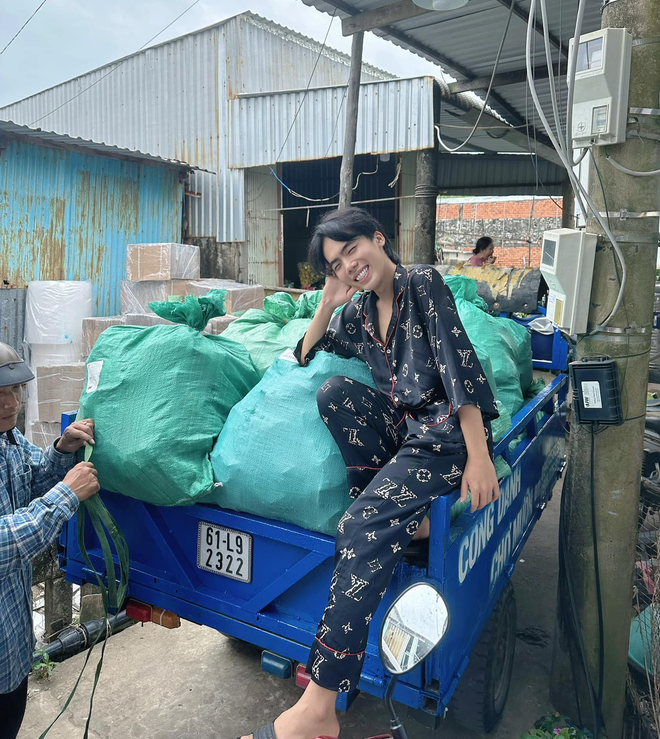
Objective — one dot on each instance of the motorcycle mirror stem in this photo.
(412, 628)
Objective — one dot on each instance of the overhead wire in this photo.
(114, 68)
(20, 30)
(309, 84)
(453, 149)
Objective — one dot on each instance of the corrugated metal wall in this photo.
(263, 227)
(393, 116)
(407, 207)
(171, 100)
(12, 317)
(69, 216)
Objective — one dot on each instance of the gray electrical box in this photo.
(602, 85)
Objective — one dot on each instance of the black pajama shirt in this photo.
(402, 445)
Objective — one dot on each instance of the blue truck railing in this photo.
(470, 560)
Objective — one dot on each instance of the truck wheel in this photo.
(482, 691)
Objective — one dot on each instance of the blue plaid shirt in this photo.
(34, 505)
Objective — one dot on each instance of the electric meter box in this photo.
(567, 265)
(602, 84)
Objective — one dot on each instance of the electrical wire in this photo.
(570, 74)
(18, 33)
(625, 170)
(115, 68)
(577, 185)
(599, 596)
(330, 197)
(309, 84)
(454, 149)
(565, 570)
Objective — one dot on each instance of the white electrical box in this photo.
(567, 265)
(602, 84)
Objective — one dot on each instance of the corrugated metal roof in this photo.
(464, 42)
(69, 214)
(498, 175)
(393, 116)
(170, 100)
(89, 147)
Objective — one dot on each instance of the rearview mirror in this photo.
(412, 628)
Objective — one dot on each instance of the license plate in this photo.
(224, 552)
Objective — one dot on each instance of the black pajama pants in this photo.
(393, 477)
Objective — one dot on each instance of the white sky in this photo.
(70, 37)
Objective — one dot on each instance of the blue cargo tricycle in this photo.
(267, 582)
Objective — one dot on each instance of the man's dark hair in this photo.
(344, 225)
(482, 244)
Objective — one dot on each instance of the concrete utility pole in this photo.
(568, 205)
(350, 136)
(426, 195)
(618, 449)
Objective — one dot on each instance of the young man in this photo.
(424, 432)
(39, 491)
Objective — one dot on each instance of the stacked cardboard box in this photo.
(92, 328)
(136, 295)
(162, 262)
(58, 390)
(217, 325)
(145, 319)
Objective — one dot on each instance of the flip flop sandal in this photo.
(267, 731)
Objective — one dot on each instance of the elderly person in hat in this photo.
(39, 491)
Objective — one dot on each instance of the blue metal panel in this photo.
(470, 561)
(69, 216)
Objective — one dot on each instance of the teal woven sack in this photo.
(279, 326)
(506, 343)
(159, 397)
(275, 457)
(291, 471)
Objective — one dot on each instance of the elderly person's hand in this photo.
(76, 436)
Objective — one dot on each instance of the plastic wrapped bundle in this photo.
(43, 433)
(58, 390)
(159, 397)
(162, 262)
(54, 311)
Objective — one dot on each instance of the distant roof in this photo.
(258, 20)
(89, 147)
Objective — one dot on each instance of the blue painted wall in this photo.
(66, 215)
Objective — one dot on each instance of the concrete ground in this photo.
(193, 683)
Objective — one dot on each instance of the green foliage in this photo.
(44, 666)
(554, 725)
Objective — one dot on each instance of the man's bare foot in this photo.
(312, 716)
(424, 530)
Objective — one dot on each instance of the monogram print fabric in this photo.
(402, 446)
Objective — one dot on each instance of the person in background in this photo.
(483, 253)
(40, 489)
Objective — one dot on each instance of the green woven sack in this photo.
(159, 397)
(279, 326)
